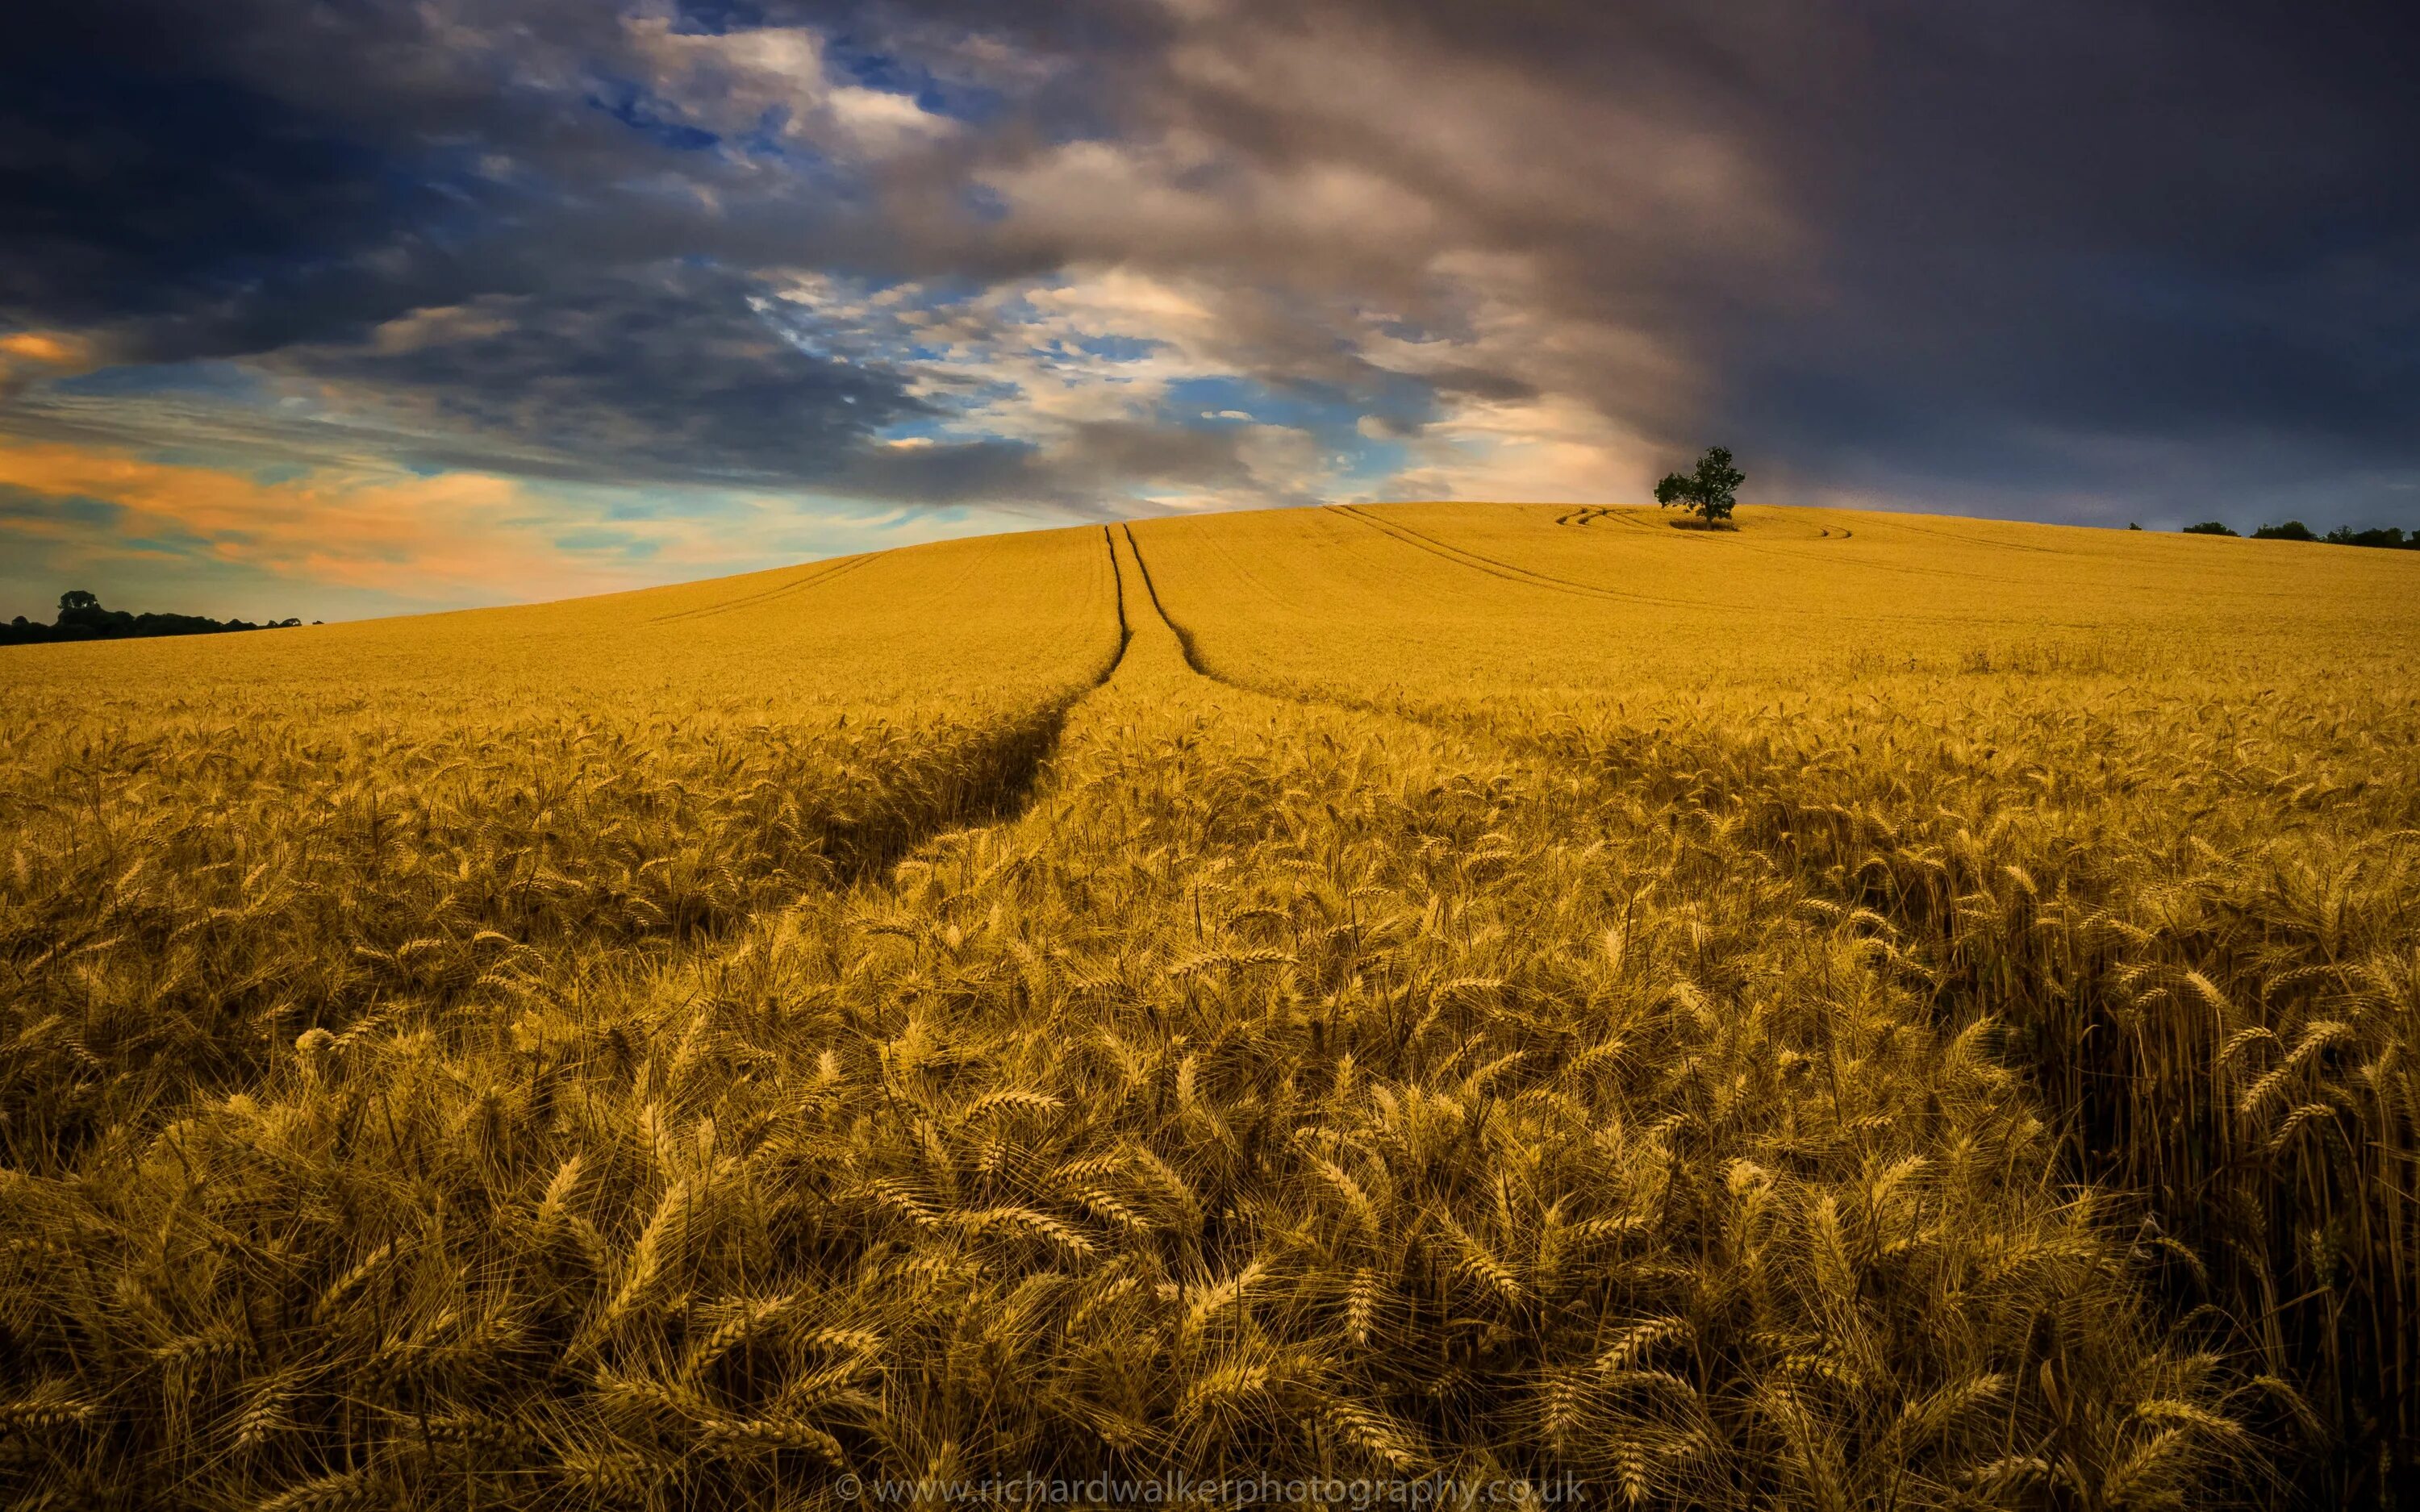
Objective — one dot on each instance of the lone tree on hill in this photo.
(1711, 490)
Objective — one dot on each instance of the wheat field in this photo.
(1863, 1010)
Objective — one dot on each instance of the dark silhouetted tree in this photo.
(83, 618)
(2293, 530)
(2209, 527)
(1711, 491)
(2389, 536)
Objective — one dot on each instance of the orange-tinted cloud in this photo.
(450, 537)
(27, 356)
(49, 348)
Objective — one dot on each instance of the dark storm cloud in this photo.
(2037, 247)
(1091, 473)
(222, 180)
(2091, 255)
(2119, 250)
(667, 377)
(171, 171)
(2165, 227)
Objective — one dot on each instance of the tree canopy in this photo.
(1711, 491)
(82, 618)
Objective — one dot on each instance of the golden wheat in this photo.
(1468, 994)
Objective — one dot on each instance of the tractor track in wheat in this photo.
(1507, 572)
(1022, 784)
(795, 585)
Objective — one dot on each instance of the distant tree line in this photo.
(82, 618)
(2389, 536)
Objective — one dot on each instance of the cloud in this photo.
(664, 374)
(27, 357)
(347, 537)
(457, 534)
(40, 349)
(1543, 450)
(1084, 258)
(774, 81)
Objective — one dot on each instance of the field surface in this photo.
(1859, 1011)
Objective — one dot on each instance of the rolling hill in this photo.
(1865, 1009)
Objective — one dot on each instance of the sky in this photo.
(342, 307)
